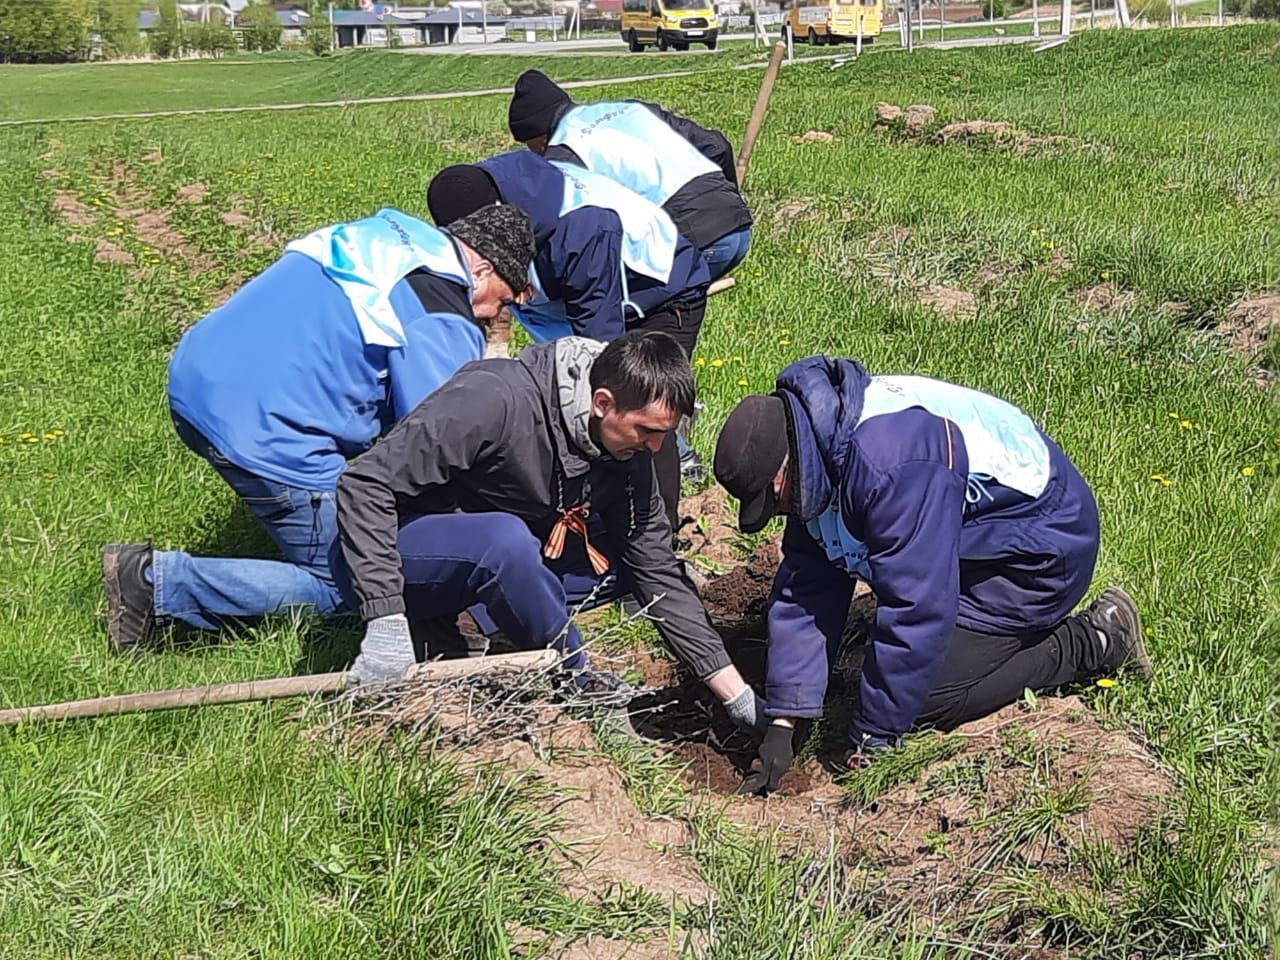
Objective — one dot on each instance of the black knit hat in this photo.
(503, 235)
(459, 190)
(535, 105)
(750, 452)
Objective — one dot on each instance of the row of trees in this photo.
(54, 31)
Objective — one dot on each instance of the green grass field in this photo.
(1098, 264)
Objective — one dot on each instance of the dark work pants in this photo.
(683, 323)
(983, 673)
(455, 561)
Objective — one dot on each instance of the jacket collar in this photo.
(824, 403)
(540, 360)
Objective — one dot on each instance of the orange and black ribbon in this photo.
(574, 519)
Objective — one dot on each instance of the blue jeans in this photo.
(727, 252)
(491, 563)
(210, 592)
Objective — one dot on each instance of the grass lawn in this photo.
(1090, 270)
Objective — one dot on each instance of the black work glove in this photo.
(773, 761)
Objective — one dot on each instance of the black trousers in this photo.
(684, 323)
(982, 673)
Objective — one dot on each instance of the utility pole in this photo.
(1035, 18)
(1064, 27)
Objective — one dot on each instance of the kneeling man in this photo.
(490, 492)
(975, 531)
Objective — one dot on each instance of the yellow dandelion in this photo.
(51, 435)
(58, 431)
(700, 362)
(1247, 471)
(1161, 479)
(741, 383)
(1106, 683)
(718, 362)
(1106, 274)
(1174, 415)
(784, 343)
(25, 435)
(33, 439)
(785, 331)
(737, 359)
(1185, 424)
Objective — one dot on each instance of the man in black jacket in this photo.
(489, 493)
(685, 168)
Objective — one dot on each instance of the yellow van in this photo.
(833, 21)
(668, 24)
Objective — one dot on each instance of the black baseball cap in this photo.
(750, 452)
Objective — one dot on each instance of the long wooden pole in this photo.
(273, 689)
(761, 108)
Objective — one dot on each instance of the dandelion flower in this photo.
(718, 362)
(1174, 415)
(737, 359)
(700, 362)
(784, 343)
(742, 383)
(1246, 471)
(1185, 424)
(1106, 683)
(1161, 479)
(51, 435)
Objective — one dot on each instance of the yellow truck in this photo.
(833, 21)
(669, 24)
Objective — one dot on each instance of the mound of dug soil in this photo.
(1251, 323)
(919, 122)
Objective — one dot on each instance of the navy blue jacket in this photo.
(579, 254)
(940, 547)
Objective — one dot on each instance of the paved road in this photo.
(589, 46)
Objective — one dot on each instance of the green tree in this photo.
(1263, 9)
(318, 32)
(117, 26)
(213, 37)
(45, 31)
(166, 32)
(993, 9)
(262, 30)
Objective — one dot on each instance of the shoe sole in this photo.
(115, 599)
(1138, 658)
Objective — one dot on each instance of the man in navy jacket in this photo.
(976, 533)
(607, 260)
(666, 158)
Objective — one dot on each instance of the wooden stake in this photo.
(273, 689)
(761, 108)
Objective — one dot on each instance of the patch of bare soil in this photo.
(1028, 790)
(1106, 298)
(108, 252)
(154, 157)
(951, 303)
(919, 122)
(1250, 323)
(1058, 264)
(711, 530)
(804, 209)
(814, 136)
(71, 211)
(604, 844)
(590, 947)
(993, 273)
(191, 193)
(53, 148)
(236, 218)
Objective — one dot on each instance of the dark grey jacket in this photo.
(492, 439)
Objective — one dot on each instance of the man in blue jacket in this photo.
(976, 533)
(301, 370)
(685, 168)
(607, 260)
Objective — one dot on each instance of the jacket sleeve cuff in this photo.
(381, 607)
(708, 664)
(790, 700)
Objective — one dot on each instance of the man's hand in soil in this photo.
(773, 761)
(386, 652)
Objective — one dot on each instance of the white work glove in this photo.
(386, 652)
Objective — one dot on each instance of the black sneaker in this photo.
(692, 468)
(1115, 615)
(131, 599)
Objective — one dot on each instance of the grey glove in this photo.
(386, 652)
(746, 710)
